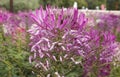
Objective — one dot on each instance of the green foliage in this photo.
(115, 70)
(118, 37)
(92, 5)
(63, 3)
(20, 4)
(14, 58)
(113, 4)
(34, 4)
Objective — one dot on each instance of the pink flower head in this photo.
(55, 28)
(58, 31)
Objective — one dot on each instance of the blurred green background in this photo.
(33, 4)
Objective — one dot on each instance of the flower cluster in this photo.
(56, 35)
(101, 52)
(109, 22)
(15, 25)
(3, 16)
(59, 39)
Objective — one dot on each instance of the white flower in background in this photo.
(75, 5)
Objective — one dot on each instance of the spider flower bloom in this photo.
(109, 22)
(51, 28)
(12, 23)
(56, 31)
(100, 56)
(3, 16)
(62, 31)
(14, 27)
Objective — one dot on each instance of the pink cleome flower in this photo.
(63, 31)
